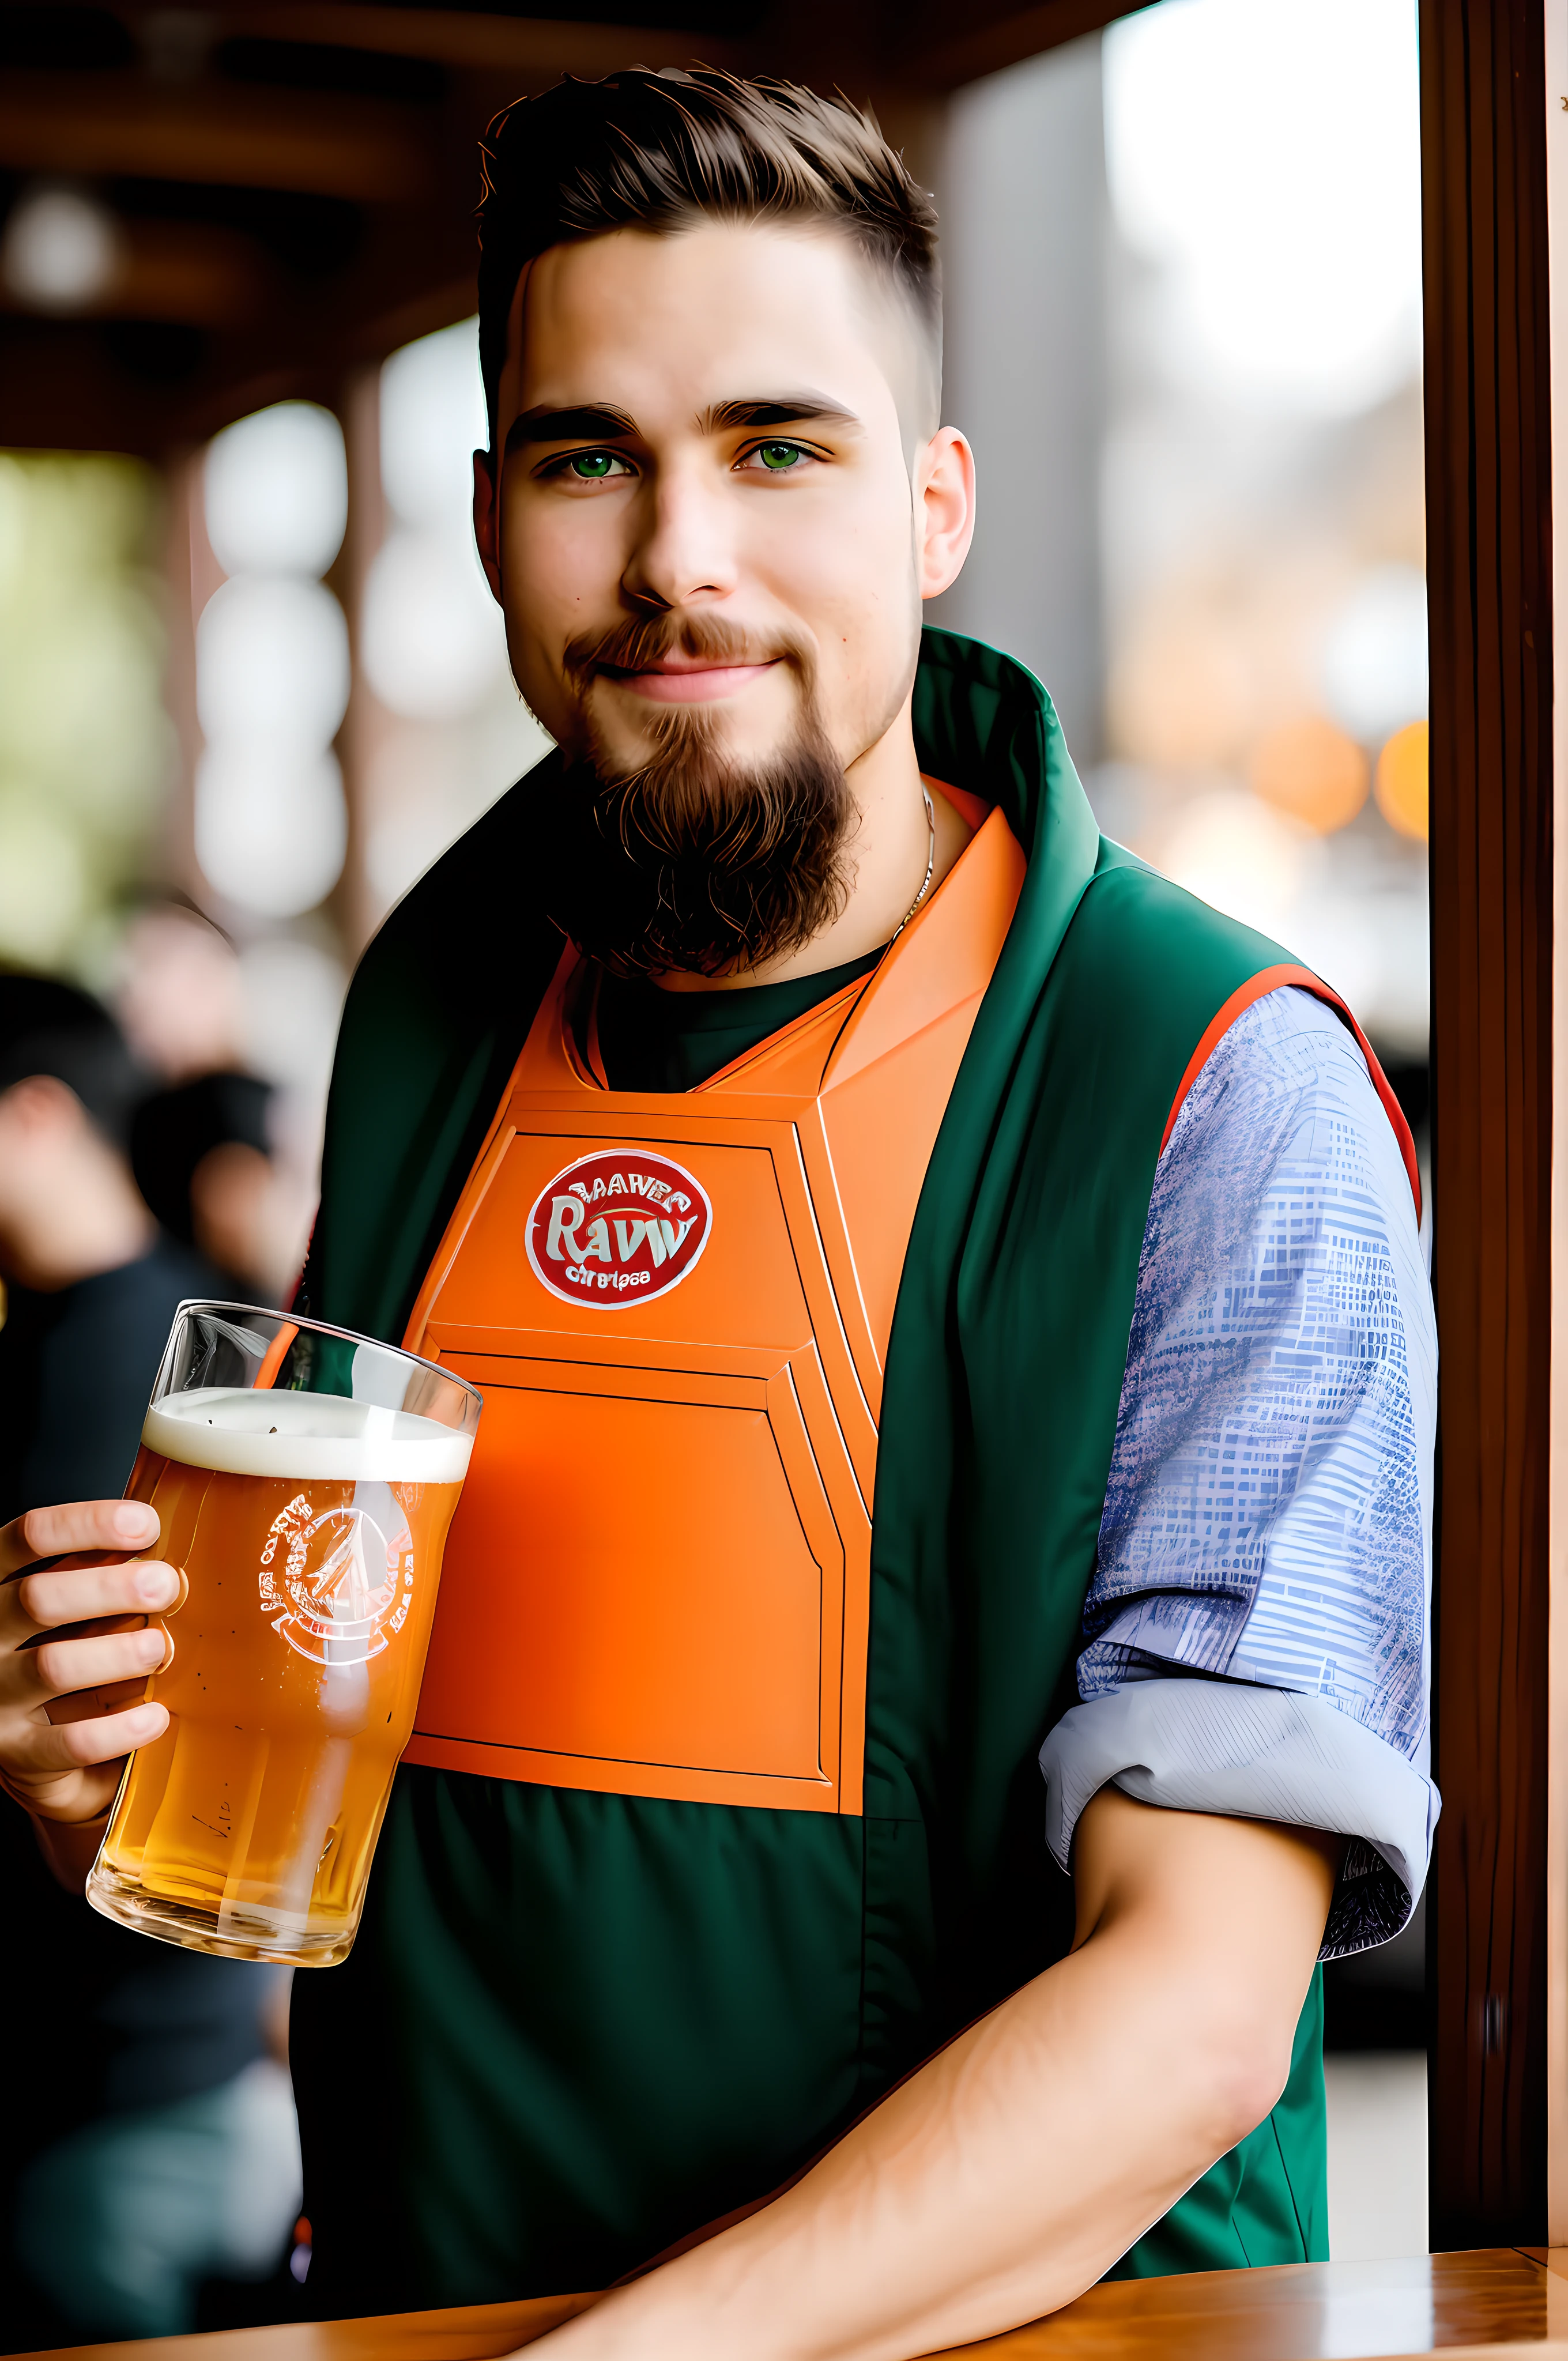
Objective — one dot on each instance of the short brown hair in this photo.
(659, 151)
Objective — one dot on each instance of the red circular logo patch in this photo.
(618, 1228)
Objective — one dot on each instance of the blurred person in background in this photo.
(181, 999)
(202, 1155)
(203, 1148)
(157, 2148)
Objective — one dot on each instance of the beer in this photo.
(309, 1530)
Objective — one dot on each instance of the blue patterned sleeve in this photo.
(1255, 1629)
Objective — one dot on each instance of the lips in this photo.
(686, 684)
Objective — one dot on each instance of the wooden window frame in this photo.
(1496, 2050)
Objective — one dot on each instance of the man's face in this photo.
(709, 513)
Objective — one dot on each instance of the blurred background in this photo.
(251, 682)
(254, 679)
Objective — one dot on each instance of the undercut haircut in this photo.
(662, 151)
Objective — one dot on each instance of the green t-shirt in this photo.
(652, 1039)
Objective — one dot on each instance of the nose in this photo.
(684, 553)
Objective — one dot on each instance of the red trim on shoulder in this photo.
(1272, 979)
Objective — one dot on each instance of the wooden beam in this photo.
(187, 272)
(225, 134)
(59, 391)
(942, 53)
(536, 48)
(1488, 480)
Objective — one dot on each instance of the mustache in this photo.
(686, 859)
(639, 643)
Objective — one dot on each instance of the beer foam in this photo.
(238, 1432)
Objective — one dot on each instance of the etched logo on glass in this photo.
(334, 1584)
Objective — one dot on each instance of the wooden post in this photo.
(1556, 128)
(1489, 462)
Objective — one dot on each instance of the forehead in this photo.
(663, 326)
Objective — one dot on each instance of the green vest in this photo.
(575, 2025)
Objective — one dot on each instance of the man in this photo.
(784, 1103)
(152, 2143)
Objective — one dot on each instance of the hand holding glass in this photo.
(304, 1479)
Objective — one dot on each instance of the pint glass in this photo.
(304, 1479)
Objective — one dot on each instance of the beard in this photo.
(694, 863)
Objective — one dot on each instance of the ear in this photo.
(488, 519)
(944, 510)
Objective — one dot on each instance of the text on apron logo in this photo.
(619, 1227)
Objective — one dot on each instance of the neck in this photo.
(90, 1218)
(889, 855)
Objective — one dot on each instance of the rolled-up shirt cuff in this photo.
(1258, 1754)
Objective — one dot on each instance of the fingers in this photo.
(61, 1667)
(46, 1602)
(78, 1525)
(82, 1705)
(42, 1748)
(73, 1706)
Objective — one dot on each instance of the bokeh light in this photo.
(274, 491)
(272, 659)
(1180, 691)
(432, 636)
(1311, 772)
(1267, 152)
(1402, 769)
(433, 421)
(433, 639)
(62, 250)
(447, 730)
(271, 823)
(272, 663)
(1233, 851)
(293, 993)
(1375, 653)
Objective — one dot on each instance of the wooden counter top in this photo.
(1467, 2306)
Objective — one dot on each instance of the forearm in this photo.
(963, 2205)
(1010, 2172)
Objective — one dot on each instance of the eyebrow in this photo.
(598, 423)
(601, 422)
(775, 410)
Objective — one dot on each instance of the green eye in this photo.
(591, 467)
(779, 455)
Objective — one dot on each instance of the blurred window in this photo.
(1184, 330)
(1263, 523)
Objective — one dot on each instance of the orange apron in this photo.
(677, 1306)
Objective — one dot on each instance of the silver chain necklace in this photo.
(930, 865)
